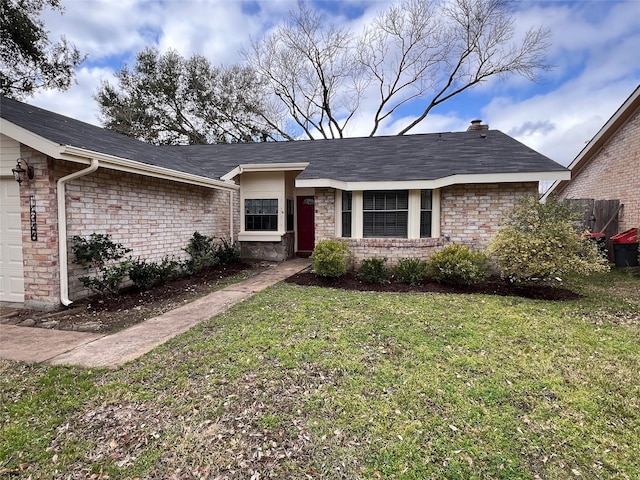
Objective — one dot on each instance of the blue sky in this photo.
(595, 50)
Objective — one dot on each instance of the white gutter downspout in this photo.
(231, 212)
(62, 229)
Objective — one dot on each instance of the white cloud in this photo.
(77, 102)
(103, 28)
(577, 111)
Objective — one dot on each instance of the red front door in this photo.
(306, 228)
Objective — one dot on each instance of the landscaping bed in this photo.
(112, 313)
(493, 286)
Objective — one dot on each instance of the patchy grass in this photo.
(305, 382)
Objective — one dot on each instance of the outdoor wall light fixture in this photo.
(18, 172)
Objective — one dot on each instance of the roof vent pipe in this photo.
(62, 229)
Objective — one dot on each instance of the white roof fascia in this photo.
(264, 167)
(140, 168)
(596, 141)
(550, 190)
(232, 174)
(30, 139)
(433, 184)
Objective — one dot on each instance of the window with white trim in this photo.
(290, 222)
(347, 206)
(385, 213)
(426, 211)
(261, 215)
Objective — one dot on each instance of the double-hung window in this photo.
(261, 215)
(385, 213)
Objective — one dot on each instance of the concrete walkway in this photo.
(59, 347)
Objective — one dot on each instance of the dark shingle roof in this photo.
(68, 131)
(409, 157)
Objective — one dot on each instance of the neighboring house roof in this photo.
(619, 118)
(408, 161)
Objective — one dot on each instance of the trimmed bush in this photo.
(457, 265)
(202, 251)
(146, 275)
(411, 270)
(104, 257)
(539, 243)
(373, 270)
(227, 252)
(331, 258)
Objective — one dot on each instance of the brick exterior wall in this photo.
(40, 257)
(614, 173)
(153, 217)
(393, 249)
(325, 214)
(469, 215)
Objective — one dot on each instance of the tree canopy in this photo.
(166, 99)
(28, 58)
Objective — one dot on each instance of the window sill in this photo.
(260, 236)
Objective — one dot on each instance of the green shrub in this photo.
(203, 252)
(411, 270)
(539, 243)
(373, 270)
(227, 252)
(457, 265)
(103, 256)
(331, 258)
(145, 274)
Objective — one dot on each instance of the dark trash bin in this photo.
(625, 248)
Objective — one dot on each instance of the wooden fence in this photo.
(599, 216)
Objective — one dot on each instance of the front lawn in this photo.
(307, 382)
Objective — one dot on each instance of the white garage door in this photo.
(11, 271)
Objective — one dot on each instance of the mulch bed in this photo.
(490, 287)
(111, 313)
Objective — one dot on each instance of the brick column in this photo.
(325, 214)
(40, 256)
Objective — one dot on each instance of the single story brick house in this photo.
(395, 196)
(608, 167)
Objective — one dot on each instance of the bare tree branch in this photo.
(418, 52)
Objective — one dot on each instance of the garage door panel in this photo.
(14, 256)
(11, 262)
(13, 222)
